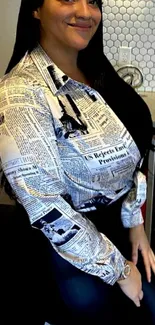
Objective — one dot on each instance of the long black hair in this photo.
(27, 32)
(90, 59)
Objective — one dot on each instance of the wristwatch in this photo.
(125, 272)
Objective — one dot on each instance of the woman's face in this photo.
(71, 23)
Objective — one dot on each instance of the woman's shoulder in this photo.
(24, 74)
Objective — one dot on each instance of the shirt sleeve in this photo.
(31, 162)
(131, 213)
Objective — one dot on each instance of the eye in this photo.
(94, 3)
(69, 1)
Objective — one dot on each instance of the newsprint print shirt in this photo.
(64, 151)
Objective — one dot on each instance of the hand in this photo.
(140, 242)
(132, 285)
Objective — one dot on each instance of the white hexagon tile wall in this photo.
(131, 23)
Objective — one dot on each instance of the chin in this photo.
(81, 46)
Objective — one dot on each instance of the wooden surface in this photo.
(149, 98)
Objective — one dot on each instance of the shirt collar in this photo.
(53, 76)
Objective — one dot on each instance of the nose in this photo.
(83, 10)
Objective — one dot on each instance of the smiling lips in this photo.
(81, 26)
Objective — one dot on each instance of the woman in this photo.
(72, 149)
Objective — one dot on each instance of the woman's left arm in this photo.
(132, 218)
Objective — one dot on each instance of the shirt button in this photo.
(65, 78)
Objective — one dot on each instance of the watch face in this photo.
(127, 270)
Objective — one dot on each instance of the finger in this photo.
(141, 295)
(147, 264)
(135, 253)
(137, 302)
(152, 253)
(152, 260)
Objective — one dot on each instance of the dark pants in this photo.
(37, 285)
